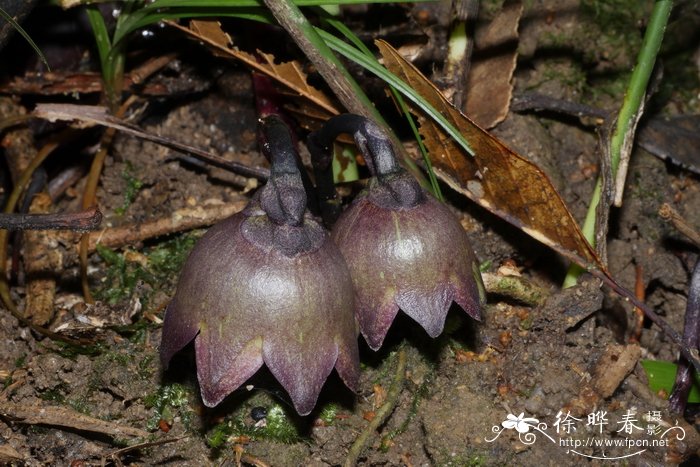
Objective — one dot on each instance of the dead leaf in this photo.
(10, 456)
(289, 74)
(211, 29)
(496, 178)
(489, 83)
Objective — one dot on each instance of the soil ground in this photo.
(561, 362)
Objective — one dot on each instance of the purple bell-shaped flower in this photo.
(267, 286)
(405, 249)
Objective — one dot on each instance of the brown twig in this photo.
(98, 115)
(148, 444)
(40, 414)
(69, 82)
(669, 214)
(179, 221)
(691, 354)
(83, 221)
(184, 219)
(152, 66)
(252, 460)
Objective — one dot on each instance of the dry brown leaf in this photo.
(496, 178)
(211, 29)
(489, 84)
(289, 74)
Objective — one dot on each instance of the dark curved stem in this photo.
(370, 138)
(283, 198)
(374, 144)
(691, 329)
(268, 104)
(278, 146)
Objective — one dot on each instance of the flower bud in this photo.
(405, 249)
(266, 286)
(415, 257)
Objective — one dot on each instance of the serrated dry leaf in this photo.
(496, 178)
(289, 74)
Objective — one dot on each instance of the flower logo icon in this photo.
(520, 423)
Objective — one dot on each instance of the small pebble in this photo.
(258, 413)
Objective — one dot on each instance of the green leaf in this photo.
(662, 375)
(259, 3)
(175, 9)
(352, 37)
(99, 29)
(373, 66)
(344, 166)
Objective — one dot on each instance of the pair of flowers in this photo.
(271, 285)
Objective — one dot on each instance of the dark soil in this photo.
(575, 353)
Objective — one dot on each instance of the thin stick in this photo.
(99, 115)
(41, 414)
(667, 213)
(639, 292)
(691, 354)
(178, 221)
(147, 444)
(384, 411)
(83, 221)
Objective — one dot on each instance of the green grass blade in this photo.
(626, 118)
(437, 191)
(143, 18)
(373, 66)
(352, 37)
(26, 36)
(258, 3)
(176, 9)
(99, 29)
